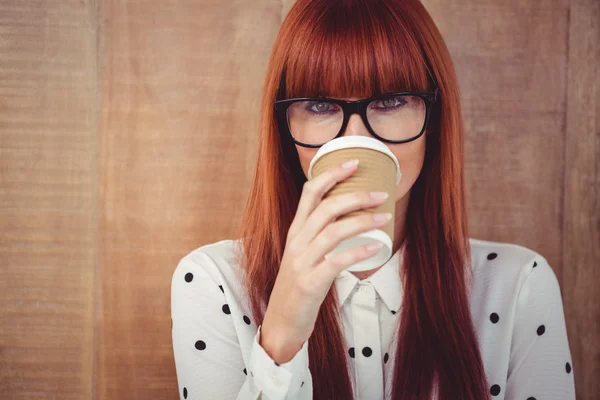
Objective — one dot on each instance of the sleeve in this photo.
(540, 365)
(207, 352)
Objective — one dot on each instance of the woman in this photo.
(446, 317)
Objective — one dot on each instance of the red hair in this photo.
(360, 48)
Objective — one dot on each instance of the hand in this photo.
(304, 276)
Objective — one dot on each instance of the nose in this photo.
(356, 127)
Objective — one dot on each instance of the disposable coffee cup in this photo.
(378, 171)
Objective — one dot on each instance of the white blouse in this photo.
(515, 302)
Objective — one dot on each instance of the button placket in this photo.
(365, 326)
(275, 379)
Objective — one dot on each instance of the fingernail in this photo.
(350, 164)
(374, 246)
(379, 195)
(382, 216)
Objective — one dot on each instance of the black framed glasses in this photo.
(399, 117)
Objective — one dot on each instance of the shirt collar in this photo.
(386, 282)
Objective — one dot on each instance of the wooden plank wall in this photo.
(48, 199)
(127, 138)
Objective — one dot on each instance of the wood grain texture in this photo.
(48, 194)
(128, 136)
(180, 88)
(581, 232)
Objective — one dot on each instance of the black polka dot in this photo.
(495, 390)
(367, 351)
(385, 358)
(351, 352)
(200, 345)
(221, 287)
(302, 384)
(247, 320)
(540, 330)
(189, 276)
(185, 393)
(225, 309)
(491, 256)
(494, 318)
(393, 312)
(568, 368)
(534, 264)
(245, 373)
(531, 398)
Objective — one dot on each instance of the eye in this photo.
(391, 102)
(321, 107)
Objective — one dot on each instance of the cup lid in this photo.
(354, 141)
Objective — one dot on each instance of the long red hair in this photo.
(347, 48)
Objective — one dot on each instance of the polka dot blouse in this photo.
(515, 302)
